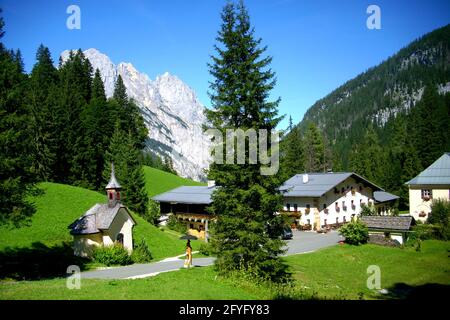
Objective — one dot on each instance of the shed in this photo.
(395, 227)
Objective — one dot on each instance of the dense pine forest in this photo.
(387, 124)
(57, 125)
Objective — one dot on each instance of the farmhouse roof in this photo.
(437, 173)
(319, 183)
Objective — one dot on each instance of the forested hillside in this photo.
(387, 124)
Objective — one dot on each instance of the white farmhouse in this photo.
(320, 200)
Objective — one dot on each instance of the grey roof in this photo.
(97, 218)
(383, 196)
(437, 173)
(402, 223)
(113, 183)
(187, 194)
(318, 184)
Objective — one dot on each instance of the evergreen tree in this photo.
(427, 135)
(368, 158)
(129, 171)
(73, 97)
(16, 176)
(292, 159)
(43, 80)
(246, 234)
(128, 114)
(88, 163)
(314, 150)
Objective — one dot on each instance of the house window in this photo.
(325, 222)
(295, 207)
(337, 219)
(345, 220)
(119, 238)
(308, 221)
(118, 195)
(288, 207)
(324, 205)
(426, 194)
(110, 196)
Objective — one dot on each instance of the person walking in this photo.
(188, 260)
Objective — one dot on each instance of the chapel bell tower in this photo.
(113, 189)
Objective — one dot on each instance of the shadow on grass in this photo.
(427, 291)
(38, 262)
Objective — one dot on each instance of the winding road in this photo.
(302, 242)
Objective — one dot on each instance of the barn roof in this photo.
(187, 194)
(318, 184)
(437, 173)
(96, 219)
(388, 223)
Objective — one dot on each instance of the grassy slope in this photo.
(159, 181)
(196, 283)
(342, 270)
(343, 266)
(62, 204)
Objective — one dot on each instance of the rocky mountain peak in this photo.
(171, 110)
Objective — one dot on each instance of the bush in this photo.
(205, 249)
(153, 213)
(355, 232)
(141, 253)
(368, 210)
(440, 212)
(111, 255)
(174, 224)
(428, 231)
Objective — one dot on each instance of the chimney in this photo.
(305, 178)
(211, 183)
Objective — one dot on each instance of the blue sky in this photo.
(316, 45)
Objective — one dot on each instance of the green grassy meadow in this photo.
(45, 242)
(338, 272)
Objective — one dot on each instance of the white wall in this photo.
(122, 224)
(330, 199)
(417, 204)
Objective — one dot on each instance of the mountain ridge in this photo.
(171, 110)
(379, 94)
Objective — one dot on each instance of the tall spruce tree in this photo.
(246, 234)
(16, 176)
(42, 84)
(127, 113)
(292, 159)
(74, 97)
(314, 149)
